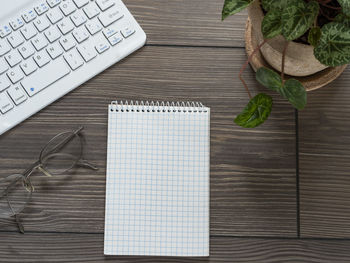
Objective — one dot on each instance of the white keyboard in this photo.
(53, 46)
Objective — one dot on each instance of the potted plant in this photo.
(300, 45)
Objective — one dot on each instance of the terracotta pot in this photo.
(300, 61)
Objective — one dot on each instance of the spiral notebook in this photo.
(157, 189)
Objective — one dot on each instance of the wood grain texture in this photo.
(252, 171)
(184, 22)
(89, 248)
(325, 161)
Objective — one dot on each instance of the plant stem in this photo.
(331, 7)
(325, 15)
(324, 1)
(284, 60)
(246, 64)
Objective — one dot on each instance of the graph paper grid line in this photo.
(157, 187)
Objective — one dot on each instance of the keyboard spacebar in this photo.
(46, 76)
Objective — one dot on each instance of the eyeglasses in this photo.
(60, 155)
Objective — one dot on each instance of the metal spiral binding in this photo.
(158, 106)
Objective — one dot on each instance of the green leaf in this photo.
(232, 7)
(256, 112)
(314, 36)
(273, 4)
(292, 89)
(345, 4)
(297, 18)
(295, 93)
(269, 78)
(333, 48)
(272, 25)
(341, 18)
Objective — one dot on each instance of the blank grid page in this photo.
(157, 194)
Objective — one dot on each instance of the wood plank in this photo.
(183, 22)
(89, 248)
(325, 161)
(252, 171)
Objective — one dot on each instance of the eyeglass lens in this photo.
(14, 195)
(61, 153)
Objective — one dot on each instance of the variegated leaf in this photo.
(275, 4)
(256, 112)
(232, 7)
(345, 4)
(314, 36)
(272, 25)
(342, 18)
(297, 18)
(295, 93)
(334, 45)
(292, 89)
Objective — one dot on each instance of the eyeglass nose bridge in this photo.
(44, 171)
(37, 166)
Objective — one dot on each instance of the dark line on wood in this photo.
(284, 238)
(191, 46)
(212, 236)
(297, 171)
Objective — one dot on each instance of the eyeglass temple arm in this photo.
(19, 224)
(86, 164)
(17, 218)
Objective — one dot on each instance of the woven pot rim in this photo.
(312, 82)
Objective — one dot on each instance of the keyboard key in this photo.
(111, 30)
(15, 74)
(115, 39)
(54, 50)
(41, 58)
(73, 59)
(3, 66)
(29, 15)
(46, 76)
(13, 58)
(39, 42)
(67, 42)
(102, 46)
(68, 7)
(41, 23)
(54, 15)
(81, 34)
(41, 8)
(5, 103)
(5, 30)
(127, 31)
(17, 94)
(94, 26)
(91, 10)
(52, 34)
(29, 66)
(4, 47)
(81, 3)
(26, 50)
(78, 18)
(16, 23)
(110, 16)
(65, 26)
(4, 82)
(87, 52)
(105, 4)
(15, 39)
(28, 31)
(53, 3)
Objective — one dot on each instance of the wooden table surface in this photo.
(279, 193)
